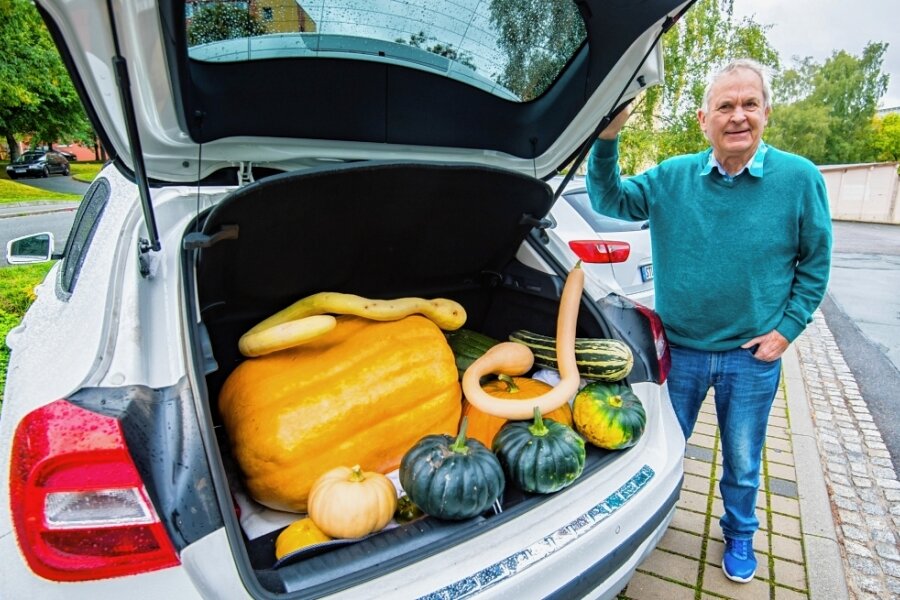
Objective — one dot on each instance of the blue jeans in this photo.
(744, 390)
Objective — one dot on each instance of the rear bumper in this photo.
(606, 577)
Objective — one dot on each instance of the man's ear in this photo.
(701, 119)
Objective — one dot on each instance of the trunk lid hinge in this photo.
(245, 173)
(540, 224)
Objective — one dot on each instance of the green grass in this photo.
(16, 295)
(13, 191)
(85, 171)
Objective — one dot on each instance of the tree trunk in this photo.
(13, 146)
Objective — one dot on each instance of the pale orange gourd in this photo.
(350, 503)
(363, 393)
(483, 427)
(508, 359)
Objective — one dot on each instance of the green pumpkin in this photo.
(540, 457)
(449, 479)
(609, 415)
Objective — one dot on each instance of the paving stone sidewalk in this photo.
(829, 503)
(686, 563)
(861, 481)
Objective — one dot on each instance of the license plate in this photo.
(20, 170)
(647, 272)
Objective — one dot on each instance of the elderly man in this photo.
(741, 247)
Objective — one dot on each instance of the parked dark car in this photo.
(69, 156)
(38, 164)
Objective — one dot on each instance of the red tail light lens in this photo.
(79, 506)
(594, 251)
(660, 342)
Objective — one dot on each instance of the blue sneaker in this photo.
(739, 561)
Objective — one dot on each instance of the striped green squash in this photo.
(468, 346)
(597, 358)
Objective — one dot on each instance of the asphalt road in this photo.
(56, 183)
(862, 310)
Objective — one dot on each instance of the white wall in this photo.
(865, 192)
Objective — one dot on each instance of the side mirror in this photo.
(30, 249)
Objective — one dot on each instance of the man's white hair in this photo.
(740, 63)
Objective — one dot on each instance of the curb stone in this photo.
(824, 565)
(863, 489)
(36, 207)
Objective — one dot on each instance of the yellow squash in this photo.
(363, 394)
(299, 534)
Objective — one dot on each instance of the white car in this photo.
(320, 154)
(616, 253)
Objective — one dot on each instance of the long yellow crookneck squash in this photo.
(309, 318)
(512, 358)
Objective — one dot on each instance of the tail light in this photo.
(79, 507)
(660, 342)
(600, 251)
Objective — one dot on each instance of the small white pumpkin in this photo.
(350, 503)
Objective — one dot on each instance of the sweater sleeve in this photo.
(610, 194)
(813, 261)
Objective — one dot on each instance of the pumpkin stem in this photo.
(459, 446)
(356, 474)
(511, 387)
(538, 428)
(615, 401)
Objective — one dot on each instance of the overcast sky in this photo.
(817, 28)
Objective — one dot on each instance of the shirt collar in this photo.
(754, 166)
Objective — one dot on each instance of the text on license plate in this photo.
(647, 272)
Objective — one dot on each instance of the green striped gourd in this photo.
(597, 358)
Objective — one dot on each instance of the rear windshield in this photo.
(513, 49)
(29, 157)
(581, 202)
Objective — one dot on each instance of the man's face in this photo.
(737, 116)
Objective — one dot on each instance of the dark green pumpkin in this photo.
(609, 415)
(450, 479)
(540, 456)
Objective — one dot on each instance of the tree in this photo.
(665, 118)
(214, 21)
(886, 137)
(538, 37)
(832, 106)
(417, 40)
(37, 97)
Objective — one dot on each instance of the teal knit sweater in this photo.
(732, 259)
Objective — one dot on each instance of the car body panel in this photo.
(603, 278)
(134, 319)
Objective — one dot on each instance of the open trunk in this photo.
(385, 230)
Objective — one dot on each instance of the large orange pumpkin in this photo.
(483, 427)
(364, 394)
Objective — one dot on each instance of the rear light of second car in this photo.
(80, 509)
(601, 251)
